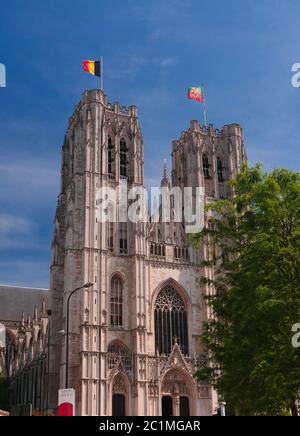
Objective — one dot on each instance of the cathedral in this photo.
(127, 306)
(135, 330)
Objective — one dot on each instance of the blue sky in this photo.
(153, 51)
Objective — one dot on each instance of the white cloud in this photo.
(9, 223)
(14, 224)
(17, 233)
(31, 182)
(168, 61)
(134, 60)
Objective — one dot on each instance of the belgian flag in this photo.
(92, 67)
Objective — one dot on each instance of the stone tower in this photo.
(134, 338)
(208, 157)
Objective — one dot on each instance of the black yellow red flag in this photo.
(92, 67)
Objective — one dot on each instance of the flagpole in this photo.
(101, 73)
(204, 107)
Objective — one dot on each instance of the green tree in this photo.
(257, 293)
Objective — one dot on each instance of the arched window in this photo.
(220, 170)
(123, 158)
(205, 165)
(116, 302)
(170, 318)
(117, 348)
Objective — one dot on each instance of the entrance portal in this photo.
(118, 405)
(184, 406)
(177, 394)
(167, 406)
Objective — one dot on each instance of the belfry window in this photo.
(220, 170)
(116, 302)
(123, 158)
(181, 253)
(170, 319)
(110, 157)
(157, 249)
(205, 165)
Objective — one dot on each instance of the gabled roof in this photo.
(15, 300)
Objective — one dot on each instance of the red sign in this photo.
(66, 402)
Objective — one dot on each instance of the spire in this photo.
(23, 320)
(165, 178)
(28, 321)
(43, 312)
(35, 314)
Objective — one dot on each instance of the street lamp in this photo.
(49, 313)
(87, 285)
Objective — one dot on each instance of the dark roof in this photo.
(14, 300)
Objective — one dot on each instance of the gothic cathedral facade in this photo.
(135, 334)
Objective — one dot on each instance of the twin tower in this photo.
(135, 333)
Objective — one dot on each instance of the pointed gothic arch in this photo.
(179, 288)
(178, 386)
(170, 311)
(120, 395)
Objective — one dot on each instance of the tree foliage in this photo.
(257, 293)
